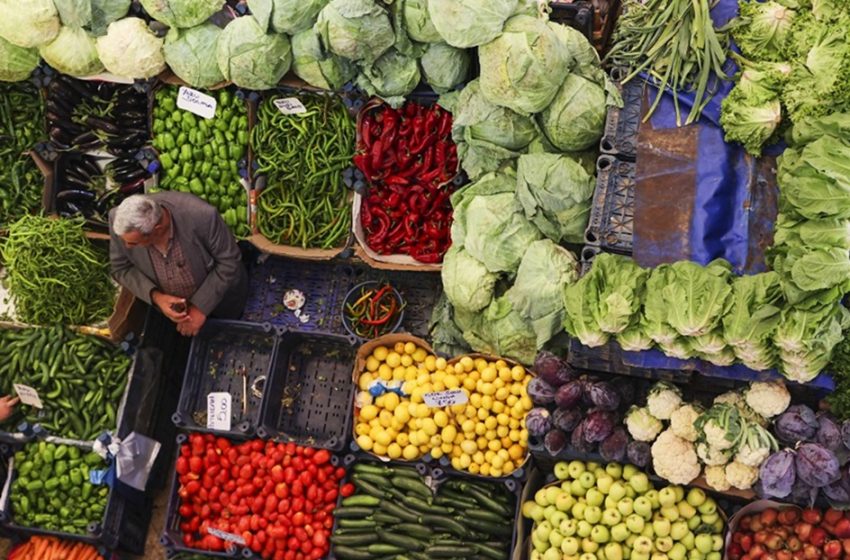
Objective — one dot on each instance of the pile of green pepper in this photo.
(201, 156)
(52, 489)
(305, 202)
(21, 128)
(80, 380)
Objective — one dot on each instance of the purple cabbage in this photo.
(639, 453)
(777, 474)
(604, 396)
(540, 391)
(555, 441)
(845, 433)
(538, 421)
(567, 420)
(802, 494)
(838, 493)
(798, 423)
(816, 465)
(569, 395)
(598, 425)
(552, 369)
(578, 441)
(586, 382)
(628, 391)
(613, 448)
(829, 433)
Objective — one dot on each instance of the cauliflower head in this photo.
(757, 445)
(715, 477)
(663, 399)
(712, 456)
(741, 476)
(642, 425)
(682, 421)
(674, 458)
(721, 427)
(768, 399)
(730, 397)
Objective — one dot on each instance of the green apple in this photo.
(577, 511)
(611, 517)
(694, 522)
(587, 480)
(643, 507)
(613, 551)
(709, 507)
(643, 545)
(639, 482)
(627, 553)
(565, 487)
(599, 472)
(556, 538)
(630, 492)
(652, 496)
(568, 527)
(569, 546)
(589, 545)
(617, 491)
(620, 532)
(626, 506)
(557, 518)
(658, 556)
(630, 542)
(561, 470)
(670, 513)
(678, 530)
(648, 531)
(552, 493)
(538, 544)
(594, 497)
(614, 470)
(600, 534)
(584, 529)
(629, 471)
(696, 497)
(686, 510)
(549, 511)
(663, 544)
(635, 523)
(593, 514)
(639, 555)
(540, 498)
(604, 483)
(564, 502)
(576, 489)
(661, 526)
(667, 497)
(695, 554)
(610, 503)
(575, 468)
(542, 531)
(716, 543)
(532, 510)
(588, 556)
(680, 493)
(713, 556)
(536, 555)
(552, 554)
(688, 541)
(678, 552)
(709, 518)
(593, 466)
(717, 526)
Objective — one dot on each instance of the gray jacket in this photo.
(210, 250)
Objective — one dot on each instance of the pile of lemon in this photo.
(485, 436)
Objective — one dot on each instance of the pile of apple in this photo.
(614, 513)
(791, 534)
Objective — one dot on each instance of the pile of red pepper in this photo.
(278, 497)
(374, 312)
(408, 157)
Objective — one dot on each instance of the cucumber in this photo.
(361, 500)
(414, 530)
(490, 551)
(446, 523)
(355, 523)
(354, 539)
(485, 515)
(348, 553)
(371, 469)
(405, 542)
(385, 518)
(412, 485)
(441, 551)
(353, 512)
(379, 481)
(383, 548)
(399, 511)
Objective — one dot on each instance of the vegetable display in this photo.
(54, 274)
(51, 548)
(278, 497)
(393, 511)
(52, 490)
(303, 155)
(203, 156)
(786, 531)
(408, 158)
(80, 380)
(21, 115)
(374, 311)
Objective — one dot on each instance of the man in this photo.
(7, 406)
(174, 251)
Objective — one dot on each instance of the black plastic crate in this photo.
(608, 358)
(309, 396)
(622, 125)
(578, 15)
(611, 225)
(228, 357)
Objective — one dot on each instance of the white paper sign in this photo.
(196, 102)
(446, 398)
(218, 411)
(226, 536)
(28, 395)
(289, 106)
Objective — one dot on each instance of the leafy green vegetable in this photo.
(392, 77)
(182, 13)
(749, 119)
(497, 234)
(754, 309)
(250, 57)
(29, 24)
(417, 22)
(16, 63)
(805, 340)
(500, 331)
(444, 67)
(286, 16)
(655, 306)
(74, 13)
(470, 23)
(763, 30)
(488, 185)
(187, 53)
(359, 30)
(316, 66)
(697, 296)
(575, 120)
(72, 52)
(131, 50)
(104, 12)
(467, 283)
(839, 367)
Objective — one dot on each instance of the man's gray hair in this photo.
(137, 213)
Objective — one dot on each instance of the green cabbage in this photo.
(466, 281)
(286, 16)
(523, 68)
(581, 51)
(499, 331)
(748, 326)
(317, 67)
(29, 24)
(74, 13)
(16, 63)
(655, 306)
(470, 23)
(555, 193)
(131, 50)
(104, 12)
(418, 22)
(806, 339)
(697, 296)
(181, 13)
(72, 52)
(251, 58)
(764, 30)
(445, 67)
(391, 77)
(488, 185)
(188, 54)
(359, 30)
(576, 118)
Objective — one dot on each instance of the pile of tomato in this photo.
(277, 498)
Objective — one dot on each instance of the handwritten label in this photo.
(289, 106)
(446, 398)
(226, 536)
(218, 411)
(196, 102)
(28, 395)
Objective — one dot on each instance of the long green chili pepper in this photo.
(305, 202)
(374, 312)
(21, 128)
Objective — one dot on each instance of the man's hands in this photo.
(7, 406)
(192, 324)
(165, 302)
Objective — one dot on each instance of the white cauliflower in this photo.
(642, 425)
(768, 399)
(730, 397)
(741, 476)
(711, 456)
(736, 399)
(715, 477)
(663, 399)
(674, 458)
(757, 445)
(721, 427)
(682, 421)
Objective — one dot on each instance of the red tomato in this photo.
(196, 465)
(182, 466)
(298, 518)
(347, 490)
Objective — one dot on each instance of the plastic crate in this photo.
(611, 225)
(222, 356)
(621, 125)
(578, 15)
(608, 358)
(309, 395)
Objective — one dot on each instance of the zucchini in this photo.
(361, 500)
(400, 511)
(441, 551)
(383, 548)
(353, 512)
(412, 485)
(348, 553)
(414, 530)
(354, 539)
(405, 542)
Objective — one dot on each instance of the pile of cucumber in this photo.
(395, 515)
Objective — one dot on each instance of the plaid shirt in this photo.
(173, 273)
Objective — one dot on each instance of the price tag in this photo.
(289, 106)
(28, 395)
(218, 411)
(446, 398)
(226, 536)
(196, 102)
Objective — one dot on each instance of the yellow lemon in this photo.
(488, 456)
(437, 452)
(505, 374)
(393, 359)
(488, 374)
(398, 348)
(469, 384)
(469, 447)
(365, 381)
(475, 399)
(440, 363)
(369, 412)
(441, 419)
(466, 362)
(502, 431)
(498, 407)
(423, 378)
(480, 429)
(482, 414)
(490, 422)
(509, 467)
(468, 426)
(446, 447)
(372, 363)
(379, 449)
(429, 361)
(516, 452)
(361, 429)
(517, 373)
(516, 389)
(489, 389)
(429, 426)
(485, 470)
(409, 348)
(503, 419)
(480, 364)
(512, 400)
(398, 373)
(465, 461)
(385, 372)
(490, 434)
(402, 439)
(498, 384)
(364, 442)
(449, 433)
(478, 457)
(474, 468)
(383, 438)
(386, 418)
(402, 413)
(526, 403)
(487, 402)
(391, 401)
(420, 355)
(410, 452)
(394, 450)
(451, 381)
(456, 463)
(406, 360)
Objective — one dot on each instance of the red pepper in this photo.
(366, 131)
(442, 152)
(432, 119)
(445, 125)
(383, 225)
(377, 153)
(431, 175)
(410, 110)
(361, 161)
